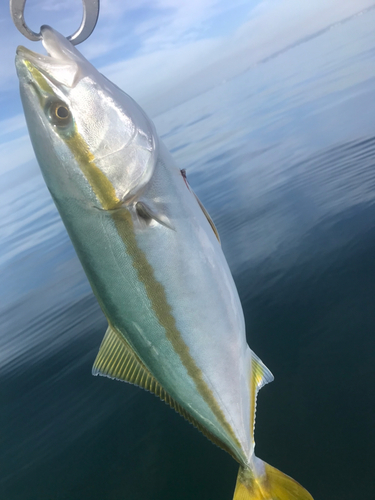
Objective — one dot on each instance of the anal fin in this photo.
(117, 360)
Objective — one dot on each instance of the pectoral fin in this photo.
(146, 213)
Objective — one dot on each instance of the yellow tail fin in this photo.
(263, 482)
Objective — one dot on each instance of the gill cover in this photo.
(110, 139)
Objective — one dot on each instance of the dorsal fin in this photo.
(260, 376)
(208, 217)
(117, 360)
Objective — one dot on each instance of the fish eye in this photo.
(59, 113)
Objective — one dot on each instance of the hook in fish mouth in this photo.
(89, 20)
(61, 73)
(63, 64)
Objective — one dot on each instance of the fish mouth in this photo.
(63, 64)
(23, 53)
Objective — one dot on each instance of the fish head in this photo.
(92, 141)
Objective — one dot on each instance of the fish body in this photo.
(151, 254)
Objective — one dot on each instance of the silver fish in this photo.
(151, 254)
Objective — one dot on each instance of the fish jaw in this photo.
(109, 140)
(64, 63)
(53, 70)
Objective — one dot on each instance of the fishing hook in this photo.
(89, 20)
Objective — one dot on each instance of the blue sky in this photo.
(162, 52)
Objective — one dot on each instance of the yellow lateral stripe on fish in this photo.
(101, 185)
(151, 255)
(156, 293)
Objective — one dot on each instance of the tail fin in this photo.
(260, 481)
(263, 482)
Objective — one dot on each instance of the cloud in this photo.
(147, 78)
(165, 51)
(274, 23)
(181, 65)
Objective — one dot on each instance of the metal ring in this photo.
(89, 20)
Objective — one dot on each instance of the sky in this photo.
(162, 52)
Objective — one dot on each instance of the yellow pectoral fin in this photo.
(117, 360)
(264, 482)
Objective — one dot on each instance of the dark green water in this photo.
(283, 156)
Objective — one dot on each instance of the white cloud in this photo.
(178, 23)
(148, 77)
(175, 55)
(278, 23)
(176, 70)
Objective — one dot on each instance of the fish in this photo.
(152, 255)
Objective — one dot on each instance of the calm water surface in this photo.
(283, 156)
